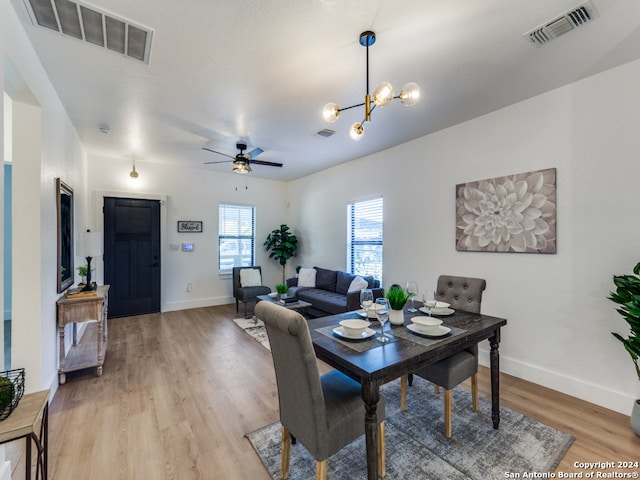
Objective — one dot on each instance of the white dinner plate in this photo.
(439, 311)
(440, 332)
(339, 331)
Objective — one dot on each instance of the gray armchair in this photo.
(325, 413)
(463, 293)
(246, 294)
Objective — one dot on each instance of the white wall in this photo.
(194, 194)
(45, 146)
(558, 316)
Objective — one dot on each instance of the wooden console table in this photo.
(77, 310)
(32, 409)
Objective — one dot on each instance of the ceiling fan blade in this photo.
(255, 152)
(262, 162)
(221, 161)
(219, 153)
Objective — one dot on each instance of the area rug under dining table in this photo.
(418, 450)
(416, 446)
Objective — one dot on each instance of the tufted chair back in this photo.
(463, 293)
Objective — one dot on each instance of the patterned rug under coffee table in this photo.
(255, 329)
(417, 448)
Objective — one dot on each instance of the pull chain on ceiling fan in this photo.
(242, 161)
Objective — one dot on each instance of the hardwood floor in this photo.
(181, 389)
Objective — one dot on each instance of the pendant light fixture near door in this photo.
(382, 95)
(134, 174)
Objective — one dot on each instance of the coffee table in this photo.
(297, 305)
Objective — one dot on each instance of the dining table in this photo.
(373, 363)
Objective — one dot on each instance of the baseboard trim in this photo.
(199, 303)
(589, 392)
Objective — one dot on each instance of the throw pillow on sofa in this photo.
(358, 283)
(307, 277)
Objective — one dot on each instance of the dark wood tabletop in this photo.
(374, 364)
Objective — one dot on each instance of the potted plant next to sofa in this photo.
(627, 295)
(282, 244)
(397, 297)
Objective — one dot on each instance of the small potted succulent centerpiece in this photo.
(282, 290)
(627, 295)
(397, 297)
(82, 271)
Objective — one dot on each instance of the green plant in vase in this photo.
(397, 297)
(283, 245)
(281, 289)
(627, 295)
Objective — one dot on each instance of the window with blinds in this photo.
(364, 237)
(236, 237)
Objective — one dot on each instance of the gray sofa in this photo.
(330, 295)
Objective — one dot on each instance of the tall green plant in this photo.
(627, 295)
(282, 244)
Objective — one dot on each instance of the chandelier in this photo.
(382, 95)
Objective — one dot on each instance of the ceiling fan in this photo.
(242, 161)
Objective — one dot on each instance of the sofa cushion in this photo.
(343, 281)
(329, 302)
(372, 282)
(326, 279)
(307, 277)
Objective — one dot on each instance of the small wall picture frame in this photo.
(189, 226)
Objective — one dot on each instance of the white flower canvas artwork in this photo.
(516, 214)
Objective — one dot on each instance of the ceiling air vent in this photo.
(90, 24)
(574, 18)
(325, 132)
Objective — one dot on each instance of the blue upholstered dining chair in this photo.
(325, 413)
(463, 293)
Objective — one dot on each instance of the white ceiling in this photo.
(261, 71)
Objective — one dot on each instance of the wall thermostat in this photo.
(187, 247)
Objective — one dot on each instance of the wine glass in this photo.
(382, 313)
(429, 301)
(412, 289)
(366, 300)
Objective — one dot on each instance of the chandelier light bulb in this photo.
(383, 94)
(356, 132)
(410, 94)
(330, 112)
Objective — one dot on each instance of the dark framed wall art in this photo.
(64, 207)
(189, 226)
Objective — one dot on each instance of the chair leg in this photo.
(286, 452)
(404, 380)
(245, 309)
(448, 401)
(474, 392)
(236, 305)
(410, 377)
(382, 461)
(321, 470)
(436, 388)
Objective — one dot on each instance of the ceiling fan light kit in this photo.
(382, 95)
(241, 163)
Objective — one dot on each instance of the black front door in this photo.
(132, 255)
